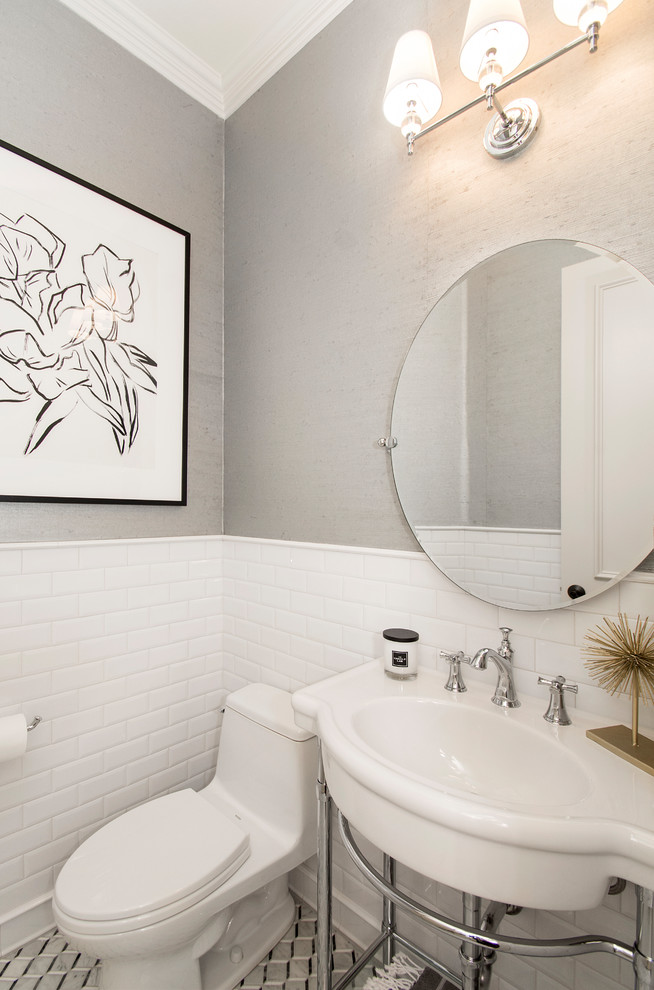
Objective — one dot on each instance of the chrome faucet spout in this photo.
(505, 694)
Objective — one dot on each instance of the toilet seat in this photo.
(151, 862)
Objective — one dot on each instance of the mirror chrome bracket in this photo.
(387, 443)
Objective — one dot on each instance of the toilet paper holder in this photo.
(33, 724)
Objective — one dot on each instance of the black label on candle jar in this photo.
(399, 658)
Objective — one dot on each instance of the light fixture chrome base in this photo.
(513, 129)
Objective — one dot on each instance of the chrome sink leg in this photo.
(324, 892)
(644, 947)
(471, 953)
(388, 912)
(490, 923)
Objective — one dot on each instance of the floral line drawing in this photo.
(62, 345)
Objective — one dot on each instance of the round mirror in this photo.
(524, 419)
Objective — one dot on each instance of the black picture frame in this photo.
(94, 328)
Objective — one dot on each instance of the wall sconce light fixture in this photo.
(495, 42)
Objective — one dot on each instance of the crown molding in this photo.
(223, 94)
(122, 22)
(265, 56)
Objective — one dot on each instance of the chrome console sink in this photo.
(492, 801)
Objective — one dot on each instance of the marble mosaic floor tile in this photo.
(49, 963)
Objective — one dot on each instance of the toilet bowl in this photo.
(190, 890)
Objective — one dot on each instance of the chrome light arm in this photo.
(514, 127)
(591, 38)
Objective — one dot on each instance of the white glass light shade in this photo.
(413, 79)
(493, 25)
(583, 13)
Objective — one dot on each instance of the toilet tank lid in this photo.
(268, 706)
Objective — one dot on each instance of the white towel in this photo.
(400, 974)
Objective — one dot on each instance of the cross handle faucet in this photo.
(557, 713)
(455, 681)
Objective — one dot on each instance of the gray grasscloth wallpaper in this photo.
(75, 99)
(338, 246)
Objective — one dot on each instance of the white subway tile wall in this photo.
(118, 646)
(126, 650)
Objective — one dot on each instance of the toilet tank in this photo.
(265, 761)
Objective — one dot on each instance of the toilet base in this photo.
(165, 972)
(249, 939)
(229, 948)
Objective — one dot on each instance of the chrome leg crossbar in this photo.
(477, 943)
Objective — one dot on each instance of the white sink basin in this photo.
(461, 748)
(495, 802)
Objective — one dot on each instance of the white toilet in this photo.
(190, 891)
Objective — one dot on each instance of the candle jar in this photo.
(401, 653)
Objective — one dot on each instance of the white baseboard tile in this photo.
(30, 921)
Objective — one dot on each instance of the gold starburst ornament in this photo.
(621, 658)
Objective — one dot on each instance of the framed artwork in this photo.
(93, 342)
